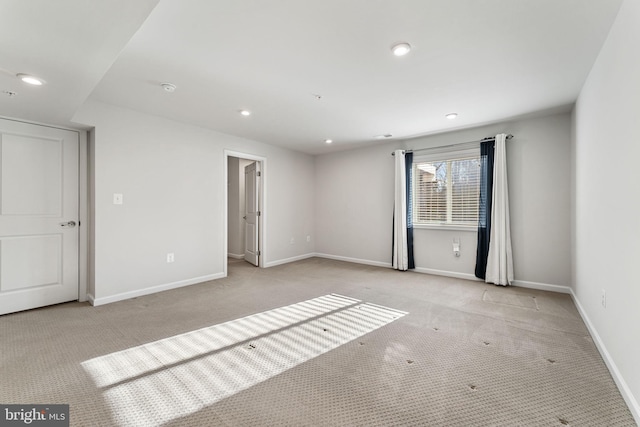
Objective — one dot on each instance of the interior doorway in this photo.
(245, 201)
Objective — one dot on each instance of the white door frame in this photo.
(262, 219)
(83, 247)
(251, 225)
(83, 206)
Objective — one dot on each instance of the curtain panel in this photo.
(408, 162)
(402, 258)
(500, 258)
(487, 150)
(494, 258)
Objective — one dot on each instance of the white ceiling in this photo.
(487, 60)
(69, 43)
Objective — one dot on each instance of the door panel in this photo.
(31, 175)
(252, 208)
(19, 255)
(38, 199)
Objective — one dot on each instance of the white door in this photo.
(38, 216)
(252, 212)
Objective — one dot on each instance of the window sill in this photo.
(446, 227)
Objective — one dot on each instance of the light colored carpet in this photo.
(465, 354)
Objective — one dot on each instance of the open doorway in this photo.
(245, 203)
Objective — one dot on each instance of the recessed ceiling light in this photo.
(451, 116)
(32, 80)
(401, 49)
(328, 141)
(245, 112)
(168, 87)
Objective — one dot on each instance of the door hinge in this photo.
(258, 253)
(259, 173)
(258, 213)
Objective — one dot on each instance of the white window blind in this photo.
(446, 191)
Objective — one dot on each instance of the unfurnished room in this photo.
(319, 213)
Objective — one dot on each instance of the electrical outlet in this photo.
(456, 246)
(308, 238)
(117, 199)
(604, 298)
(171, 257)
(292, 241)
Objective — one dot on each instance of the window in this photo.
(446, 189)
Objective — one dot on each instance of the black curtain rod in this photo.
(491, 138)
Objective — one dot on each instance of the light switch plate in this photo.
(117, 198)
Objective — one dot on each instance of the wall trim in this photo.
(446, 273)
(235, 256)
(454, 274)
(627, 395)
(152, 289)
(354, 260)
(541, 286)
(83, 217)
(516, 283)
(80, 128)
(288, 260)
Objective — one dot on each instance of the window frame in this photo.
(441, 155)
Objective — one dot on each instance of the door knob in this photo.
(69, 224)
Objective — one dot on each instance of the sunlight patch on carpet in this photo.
(161, 381)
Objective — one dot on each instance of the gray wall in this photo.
(354, 192)
(606, 241)
(171, 176)
(354, 199)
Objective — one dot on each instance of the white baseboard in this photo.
(355, 260)
(235, 256)
(288, 260)
(541, 286)
(152, 289)
(454, 274)
(517, 283)
(626, 393)
(90, 299)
